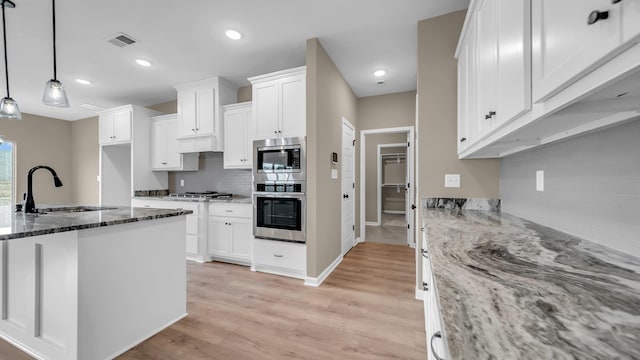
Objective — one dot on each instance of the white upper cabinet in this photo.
(569, 38)
(238, 136)
(279, 104)
(115, 126)
(164, 146)
(630, 22)
(494, 68)
(544, 71)
(487, 64)
(200, 114)
(467, 92)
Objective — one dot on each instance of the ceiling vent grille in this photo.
(121, 40)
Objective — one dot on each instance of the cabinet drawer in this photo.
(279, 254)
(230, 210)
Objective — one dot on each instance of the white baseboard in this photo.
(394, 212)
(419, 294)
(372, 223)
(315, 282)
(356, 241)
(197, 258)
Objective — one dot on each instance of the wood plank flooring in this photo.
(364, 310)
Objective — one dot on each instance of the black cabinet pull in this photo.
(487, 116)
(492, 113)
(615, 1)
(596, 15)
(345, 196)
(463, 139)
(437, 335)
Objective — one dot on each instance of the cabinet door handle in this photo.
(278, 255)
(463, 139)
(487, 116)
(596, 15)
(492, 113)
(615, 1)
(425, 286)
(437, 335)
(228, 210)
(425, 253)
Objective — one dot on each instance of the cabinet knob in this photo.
(345, 196)
(193, 129)
(463, 139)
(275, 131)
(487, 116)
(596, 15)
(278, 255)
(615, 1)
(492, 113)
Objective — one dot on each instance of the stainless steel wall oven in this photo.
(279, 193)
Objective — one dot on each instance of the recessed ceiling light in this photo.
(379, 73)
(233, 34)
(83, 81)
(143, 62)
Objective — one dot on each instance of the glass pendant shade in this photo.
(54, 94)
(9, 109)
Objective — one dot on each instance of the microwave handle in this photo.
(279, 194)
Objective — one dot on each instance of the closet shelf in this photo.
(394, 185)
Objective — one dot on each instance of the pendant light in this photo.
(8, 107)
(54, 93)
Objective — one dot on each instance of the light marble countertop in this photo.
(14, 225)
(235, 199)
(512, 289)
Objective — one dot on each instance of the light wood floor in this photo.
(364, 310)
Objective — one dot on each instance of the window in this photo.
(7, 156)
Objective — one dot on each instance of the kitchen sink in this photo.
(73, 209)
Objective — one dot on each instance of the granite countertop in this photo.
(14, 225)
(512, 289)
(235, 199)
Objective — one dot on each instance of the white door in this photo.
(219, 233)
(630, 23)
(265, 110)
(122, 126)
(186, 113)
(241, 234)
(205, 113)
(348, 186)
(105, 128)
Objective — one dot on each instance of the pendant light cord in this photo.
(53, 6)
(6, 64)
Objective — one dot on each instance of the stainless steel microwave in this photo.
(279, 159)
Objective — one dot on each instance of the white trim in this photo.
(356, 241)
(372, 223)
(315, 282)
(411, 134)
(397, 212)
(197, 258)
(419, 294)
(278, 75)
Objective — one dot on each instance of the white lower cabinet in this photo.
(436, 342)
(279, 257)
(230, 232)
(196, 228)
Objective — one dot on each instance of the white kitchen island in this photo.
(90, 284)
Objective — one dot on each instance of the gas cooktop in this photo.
(203, 196)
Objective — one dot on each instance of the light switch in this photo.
(181, 182)
(452, 180)
(540, 180)
(334, 173)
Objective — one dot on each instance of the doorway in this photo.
(7, 173)
(387, 214)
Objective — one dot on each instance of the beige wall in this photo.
(386, 111)
(84, 161)
(378, 112)
(371, 169)
(329, 98)
(169, 107)
(437, 114)
(42, 141)
(245, 94)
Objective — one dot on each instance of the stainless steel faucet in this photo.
(29, 204)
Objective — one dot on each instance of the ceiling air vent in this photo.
(121, 40)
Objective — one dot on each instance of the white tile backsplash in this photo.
(212, 176)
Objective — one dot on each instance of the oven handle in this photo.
(279, 194)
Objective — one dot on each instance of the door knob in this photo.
(463, 139)
(345, 196)
(413, 207)
(596, 15)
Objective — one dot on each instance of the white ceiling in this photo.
(185, 42)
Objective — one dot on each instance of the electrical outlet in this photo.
(540, 180)
(181, 182)
(452, 180)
